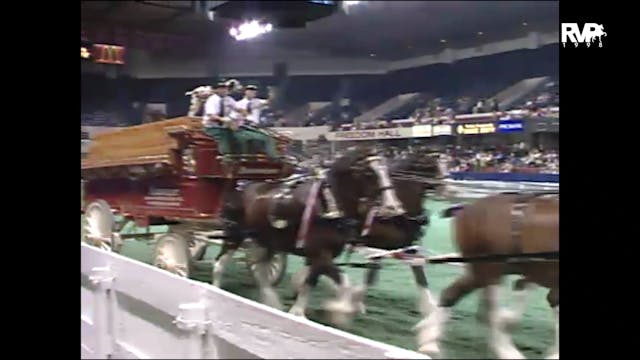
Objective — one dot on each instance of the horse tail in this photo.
(451, 211)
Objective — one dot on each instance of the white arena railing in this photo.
(131, 310)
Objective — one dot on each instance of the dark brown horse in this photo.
(358, 176)
(412, 176)
(506, 225)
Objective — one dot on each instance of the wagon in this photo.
(169, 173)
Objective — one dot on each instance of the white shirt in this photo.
(254, 112)
(212, 107)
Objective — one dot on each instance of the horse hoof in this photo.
(362, 309)
(340, 320)
(422, 323)
(553, 354)
(431, 349)
(508, 320)
(297, 312)
(340, 313)
(511, 353)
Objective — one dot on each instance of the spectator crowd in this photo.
(512, 159)
(515, 161)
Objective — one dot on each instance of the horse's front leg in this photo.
(426, 301)
(508, 317)
(343, 307)
(303, 282)
(222, 260)
(554, 302)
(360, 292)
(431, 327)
(500, 339)
(263, 267)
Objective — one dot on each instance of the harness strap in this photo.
(517, 220)
(310, 204)
(366, 228)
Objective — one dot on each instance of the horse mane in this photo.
(421, 164)
(343, 163)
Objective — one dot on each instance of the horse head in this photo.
(361, 174)
(425, 169)
(413, 175)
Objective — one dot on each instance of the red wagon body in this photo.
(168, 172)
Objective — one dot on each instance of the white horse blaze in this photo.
(390, 203)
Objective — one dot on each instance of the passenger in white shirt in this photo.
(248, 113)
(218, 108)
(249, 108)
(217, 121)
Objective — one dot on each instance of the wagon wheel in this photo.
(172, 254)
(98, 227)
(277, 263)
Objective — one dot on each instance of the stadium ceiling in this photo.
(170, 17)
(385, 30)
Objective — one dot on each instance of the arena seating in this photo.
(547, 96)
(473, 79)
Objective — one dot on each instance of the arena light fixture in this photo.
(346, 5)
(249, 30)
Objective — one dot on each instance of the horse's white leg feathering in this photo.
(430, 329)
(554, 353)
(219, 266)
(500, 340)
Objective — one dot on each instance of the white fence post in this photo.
(192, 319)
(102, 279)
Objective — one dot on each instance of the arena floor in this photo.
(391, 310)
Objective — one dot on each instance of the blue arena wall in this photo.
(506, 177)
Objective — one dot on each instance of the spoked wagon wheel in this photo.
(98, 227)
(172, 254)
(277, 263)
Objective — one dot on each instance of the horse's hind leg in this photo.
(554, 301)
(223, 258)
